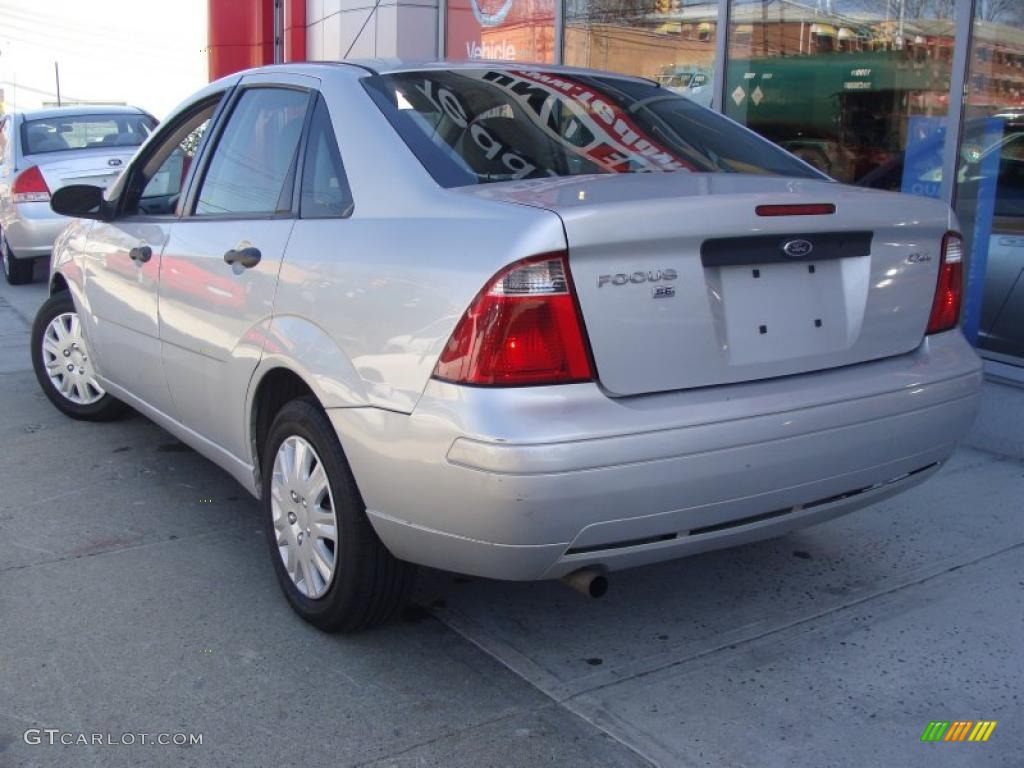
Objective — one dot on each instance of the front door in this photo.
(122, 263)
(220, 265)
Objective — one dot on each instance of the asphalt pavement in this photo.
(136, 597)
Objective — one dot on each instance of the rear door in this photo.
(221, 262)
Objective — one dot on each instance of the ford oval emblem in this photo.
(797, 249)
(114, 162)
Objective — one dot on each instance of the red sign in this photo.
(507, 30)
(613, 140)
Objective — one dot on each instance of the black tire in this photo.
(369, 584)
(107, 407)
(17, 271)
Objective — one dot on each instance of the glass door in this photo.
(990, 183)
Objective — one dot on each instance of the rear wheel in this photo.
(334, 571)
(63, 363)
(16, 271)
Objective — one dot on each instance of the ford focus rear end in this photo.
(726, 346)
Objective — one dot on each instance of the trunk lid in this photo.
(681, 284)
(97, 167)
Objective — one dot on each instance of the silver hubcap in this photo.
(67, 360)
(304, 520)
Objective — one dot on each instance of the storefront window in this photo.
(509, 30)
(990, 184)
(671, 41)
(850, 86)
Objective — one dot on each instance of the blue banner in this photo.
(985, 170)
(922, 160)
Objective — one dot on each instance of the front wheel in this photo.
(63, 363)
(334, 571)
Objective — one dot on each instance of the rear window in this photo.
(474, 126)
(59, 134)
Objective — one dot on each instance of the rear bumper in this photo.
(32, 228)
(537, 482)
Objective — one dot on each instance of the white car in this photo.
(43, 150)
(518, 323)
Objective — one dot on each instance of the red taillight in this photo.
(799, 209)
(30, 187)
(946, 306)
(523, 328)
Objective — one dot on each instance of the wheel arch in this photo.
(298, 359)
(276, 387)
(58, 284)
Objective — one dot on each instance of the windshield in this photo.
(67, 132)
(476, 126)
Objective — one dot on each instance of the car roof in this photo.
(87, 109)
(384, 66)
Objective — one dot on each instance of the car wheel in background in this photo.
(333, 569)
(63, 364)
(16, 271)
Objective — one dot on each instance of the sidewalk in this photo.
(127, 604)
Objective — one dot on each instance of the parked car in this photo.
(693, 82)
(517, 323)
(43, 150)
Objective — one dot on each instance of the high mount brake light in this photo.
(30, 187)
(523, 328)
(798, 209)
(949, 288)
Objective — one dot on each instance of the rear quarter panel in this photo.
(382, 290)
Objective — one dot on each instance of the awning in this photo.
(743, 29)
(845, 33)
(706, 26)
(823, 30)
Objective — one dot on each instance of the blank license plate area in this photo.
(783, 311)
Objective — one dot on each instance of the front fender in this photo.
(66, 259)
(66, 263)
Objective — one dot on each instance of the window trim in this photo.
(154, 145)
(188, 210)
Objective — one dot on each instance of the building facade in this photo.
(867, 90)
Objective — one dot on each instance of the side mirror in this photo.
(80, 201)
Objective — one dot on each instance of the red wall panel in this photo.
(241, 35)
(294, 30)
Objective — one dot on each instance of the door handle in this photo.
(247, 257)
(141, 253)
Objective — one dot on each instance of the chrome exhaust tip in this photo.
(587, 581)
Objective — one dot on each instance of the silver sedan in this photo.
(514, 322)
(42, 151)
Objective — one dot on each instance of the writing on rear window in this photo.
(474, 126)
